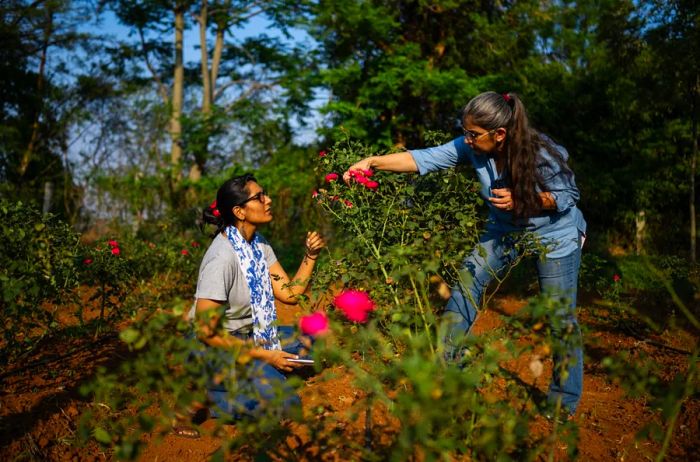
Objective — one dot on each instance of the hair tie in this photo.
(214, 210)
(506, 97)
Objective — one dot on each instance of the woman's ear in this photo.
(500, 135)
(238, 213)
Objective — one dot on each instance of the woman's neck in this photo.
(246, 230)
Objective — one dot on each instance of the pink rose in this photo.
(113, 244)
(322, 154)
(616, 278)
(184, 252)
(355, 304)
(368, 173)
(314, 194)
(331, 177)
(371, 185)
(314, 324)
(347, 203)
(115, 251)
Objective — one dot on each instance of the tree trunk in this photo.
(48, 197)
(640, 223)
(34, 138)
(177, 97)
(197, 166)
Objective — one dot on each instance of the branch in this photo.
(162, 89)
(257, 86)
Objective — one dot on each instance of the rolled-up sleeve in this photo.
(559, 181)
(441, 157)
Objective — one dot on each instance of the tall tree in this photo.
(39, 98)
(395, 68)
(235, 77)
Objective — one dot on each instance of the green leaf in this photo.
(129, 335)
(101, 435)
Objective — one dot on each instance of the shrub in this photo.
(38, 271)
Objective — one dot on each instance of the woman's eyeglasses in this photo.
(472, 135)
(259, 197)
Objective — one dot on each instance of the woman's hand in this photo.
(364, 164)
(503, 199)
(314, 244)
(279, 359)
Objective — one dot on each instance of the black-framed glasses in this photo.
(259, 197)
(472, 135)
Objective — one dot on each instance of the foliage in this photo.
(38, 272)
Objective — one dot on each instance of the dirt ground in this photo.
(40, 403)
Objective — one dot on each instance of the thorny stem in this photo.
(422, 314)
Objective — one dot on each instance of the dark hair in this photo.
(491, 110)
(232, 193)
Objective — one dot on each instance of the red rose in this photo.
(322, 154)
(355, 304)
(113, 244)
(184, 252)
(314, 324)
(87, 261)
(331, 177)
(116, 251)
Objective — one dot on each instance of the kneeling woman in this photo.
(241, 278)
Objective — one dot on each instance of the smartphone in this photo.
(301, 361)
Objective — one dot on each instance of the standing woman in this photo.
(241, 278)
(528, 187)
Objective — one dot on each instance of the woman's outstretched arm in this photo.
(401, 162)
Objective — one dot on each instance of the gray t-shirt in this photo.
(220, 278)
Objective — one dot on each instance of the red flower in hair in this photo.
(216, 213)
(506, 97)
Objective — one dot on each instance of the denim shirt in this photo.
(558, 229)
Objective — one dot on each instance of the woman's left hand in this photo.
(314, 244)
(503, 199)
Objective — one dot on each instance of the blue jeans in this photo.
(262, 384)
(558, 278)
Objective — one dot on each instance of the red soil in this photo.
(40, 405)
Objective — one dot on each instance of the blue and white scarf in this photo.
(254, 266)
